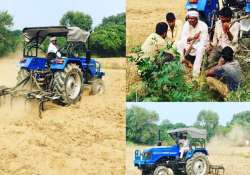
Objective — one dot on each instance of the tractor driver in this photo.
(184, 145)
(53, 50)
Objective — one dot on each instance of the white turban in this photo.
(53, 38)
(193, 13)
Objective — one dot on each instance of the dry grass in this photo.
(143, 15)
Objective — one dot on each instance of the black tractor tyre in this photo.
(68, 84)
(197, 165)
(161, 170)
(97, 87)
(146, 172)
(24, 74)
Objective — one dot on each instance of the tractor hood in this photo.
(150, 155)
(170, 150)
(73, 34)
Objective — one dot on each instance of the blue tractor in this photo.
(162, 160)
(59, 79)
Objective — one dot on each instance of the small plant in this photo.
(163, 78)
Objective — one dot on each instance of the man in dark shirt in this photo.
(226, 75)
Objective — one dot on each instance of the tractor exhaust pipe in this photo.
(159, 138)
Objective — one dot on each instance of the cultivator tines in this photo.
(216, 169)
(42, 97)
(4, 90)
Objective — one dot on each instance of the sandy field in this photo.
(236, 160)
(143, 15)
(85, 138)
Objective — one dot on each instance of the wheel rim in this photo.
(162, 172)
(73, 86)
(99, 88)
(199, 167)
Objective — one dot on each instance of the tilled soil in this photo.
(85, 138)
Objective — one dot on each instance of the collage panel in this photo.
(187, 138)
(188, 50)
(62, 87)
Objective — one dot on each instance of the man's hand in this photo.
(197, 36)
(209, 48)
(226, 27)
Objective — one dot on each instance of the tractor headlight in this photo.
(23, 60)
(147, 155)
(193, 1)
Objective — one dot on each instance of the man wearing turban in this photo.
(192, 44)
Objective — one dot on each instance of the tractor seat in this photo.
(51, 55)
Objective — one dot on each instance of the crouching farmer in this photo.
(194, 39)
(226, 75)
(157, 42)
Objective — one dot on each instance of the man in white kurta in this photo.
(53, 48)
(196, 32)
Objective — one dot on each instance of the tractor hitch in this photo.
(216, 169)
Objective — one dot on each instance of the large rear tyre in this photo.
(24, 78)
(68, 84)
(161, 170)
(197, 165)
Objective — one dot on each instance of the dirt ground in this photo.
(143, 15)
(236, 160)
(85, 138)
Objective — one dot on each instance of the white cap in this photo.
(193, 13)
(53, 38)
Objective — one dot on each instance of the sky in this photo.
(187, 112)
(31, 13)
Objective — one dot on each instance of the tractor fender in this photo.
(90, 67)
(192, 152)
(32, 63)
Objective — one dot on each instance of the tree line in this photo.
(107, 40)
(142, 125)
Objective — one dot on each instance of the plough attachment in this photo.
(216, 169)
(4, 90)
(40, 95)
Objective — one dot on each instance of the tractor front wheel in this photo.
(97, 87)
(197, 165)
(68, 84)
(161, 170)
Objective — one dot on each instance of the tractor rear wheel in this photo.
(21, 76)
(161, 170)
(97, 87)
(68, 84)
(197, 165)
